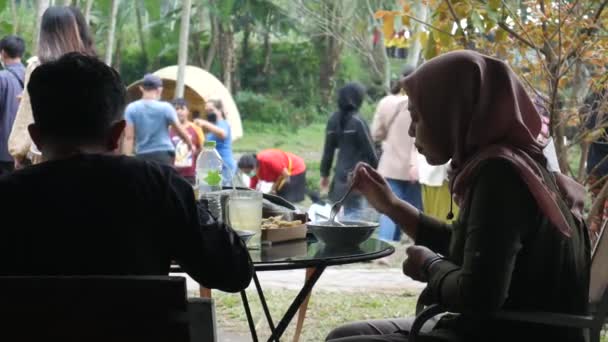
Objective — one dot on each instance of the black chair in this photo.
(102, 308)
(592, 323)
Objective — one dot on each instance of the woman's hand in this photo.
(372, 185)
(417, 257)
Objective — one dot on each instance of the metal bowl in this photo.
(343, 237)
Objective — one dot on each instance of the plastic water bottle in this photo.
(209, 178)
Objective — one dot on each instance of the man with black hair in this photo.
(11, 87)
(87, 211)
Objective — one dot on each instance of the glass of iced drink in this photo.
(244, 212)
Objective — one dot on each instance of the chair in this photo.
(102, 308)
(598, 302)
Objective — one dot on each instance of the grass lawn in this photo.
(326, 311)
(306, 142)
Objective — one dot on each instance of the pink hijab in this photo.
(480, 106)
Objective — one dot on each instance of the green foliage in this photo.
(273, 110)
(293, 71)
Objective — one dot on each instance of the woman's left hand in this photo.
(413, 266)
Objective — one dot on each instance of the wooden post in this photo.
(204, 292)
(302, 310)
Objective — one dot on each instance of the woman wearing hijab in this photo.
(349, 133)
(63, 29)
(518, 244)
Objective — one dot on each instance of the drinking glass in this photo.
(244, 212)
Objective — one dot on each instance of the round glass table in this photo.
(314, 257)
(306, 254)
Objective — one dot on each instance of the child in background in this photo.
(185, 159)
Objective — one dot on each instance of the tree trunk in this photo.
(140, 33)
(111, 32)
(227, 54)
(182, 55)
(213, 46)
(413, 55)
(267, 53)
(117, 55)
(87, 11)
(199, 58)
(15, 15)
(41, 6)
(245, 42)
(67, 2)
(331, 50)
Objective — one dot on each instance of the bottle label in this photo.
(213, 178)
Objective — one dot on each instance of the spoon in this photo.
(335, 208)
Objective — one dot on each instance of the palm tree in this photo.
(111, 32)
(182, 54)
(41, 6)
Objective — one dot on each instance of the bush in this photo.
(263, 108)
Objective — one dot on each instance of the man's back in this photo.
(151, 119)
(10, 88)
(95, 214)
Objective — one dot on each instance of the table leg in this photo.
(297, 302)
(254, 334)
(303, 309)
(258, 287)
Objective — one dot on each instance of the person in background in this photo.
(285, 170)
(545, 137)
(12, 79)
(519, 243)
(436, 196)
(347, 132)
(217, 129)
(148, 122)
(139, 216)
(185, 158)
(596, 115)
(398, 159)
(63, 29)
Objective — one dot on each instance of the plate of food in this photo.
(277, 229)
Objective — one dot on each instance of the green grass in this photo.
(326, 311)
(306, 142)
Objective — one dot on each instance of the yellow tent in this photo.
(201, 86)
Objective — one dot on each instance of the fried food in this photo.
(277, 222)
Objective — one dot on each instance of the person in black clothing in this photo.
(86, 211)
(349, 133)
(597, 156)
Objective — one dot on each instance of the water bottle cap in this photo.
(210, 144)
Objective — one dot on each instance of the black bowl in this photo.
(245, 235)
(349, 236)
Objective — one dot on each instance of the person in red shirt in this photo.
(185, 159)
(285, 170)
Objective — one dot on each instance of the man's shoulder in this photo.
(131, 107)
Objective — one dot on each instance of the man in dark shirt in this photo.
(85, 211)
(11, 87)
